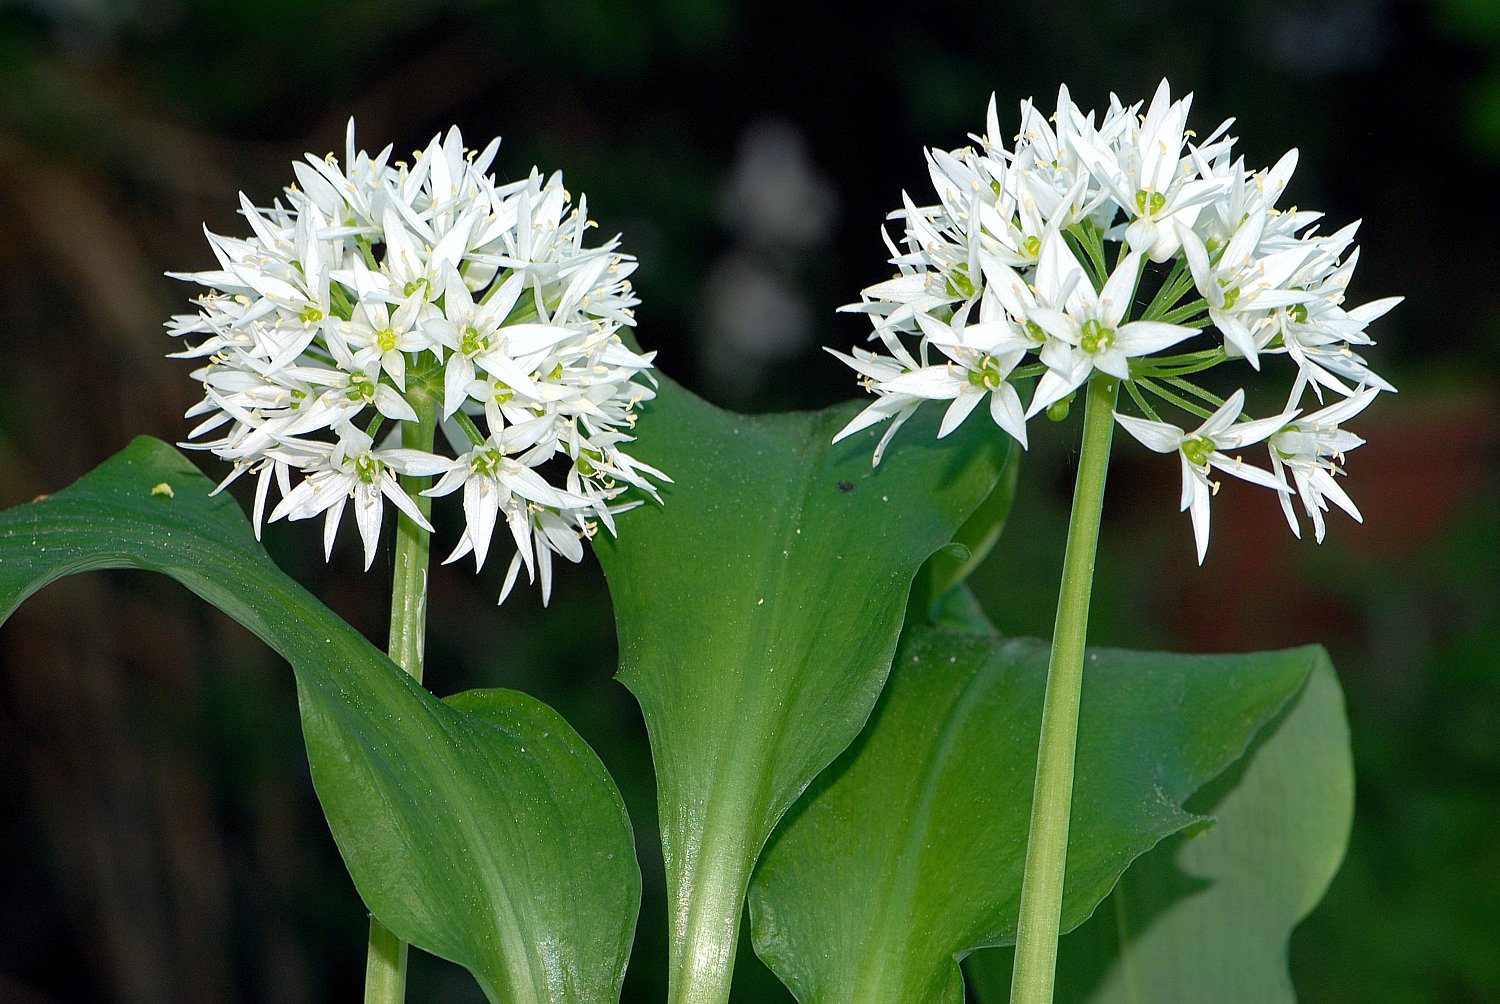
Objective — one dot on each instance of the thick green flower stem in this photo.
(1051, 801)
(385, 962)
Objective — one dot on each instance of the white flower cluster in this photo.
(1092, 248)
(378, 301)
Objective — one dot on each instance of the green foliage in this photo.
(949, 568)
(758, 611)
(907, 854)
(1206, 915)
(481, 829)
(757, 629)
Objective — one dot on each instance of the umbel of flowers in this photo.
(1118, 244)
(373, 292)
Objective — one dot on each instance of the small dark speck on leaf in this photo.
(846, 486)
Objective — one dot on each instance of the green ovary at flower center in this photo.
(366, 468)
(1231, 295)
(1298, 313)
(959, 283)
(473, 342)
(987, 374)
(1149, 203)
(1031, 246)
(416, 284)
(1096, 337)
(361, 388)
(386, 339)
(587, 459)
(311, 314)
(486, 463)
(1035, 333)
(1198, 449)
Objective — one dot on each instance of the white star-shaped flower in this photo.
(1242, 287)
(896, 406)
(1141, 172)
(493, 482)
(351, 470)
(1312, 448)
(980, 358)
(1088, 335)
(1204, 450)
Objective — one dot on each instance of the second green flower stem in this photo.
(385, 961)
(1052, 799)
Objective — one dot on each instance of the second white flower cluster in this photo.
(1091, 249)
(382, 301)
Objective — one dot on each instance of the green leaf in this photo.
(946, 570)
(907, 854)
(1207, 917)
(758, 609)
(482, 829)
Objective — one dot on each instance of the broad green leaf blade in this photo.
(758, 609)
(946, 570)
(1207, 917)
(906, 855)
(483, 830)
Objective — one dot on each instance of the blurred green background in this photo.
(159, 839)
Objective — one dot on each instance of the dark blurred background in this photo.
(159, 838)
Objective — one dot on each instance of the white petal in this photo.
(393, 491)
(510, 578)
(896, 423)
(544, 566)
(262, 489)
(1051, 388)
(481, 507)
(1059, 277)
(937, 332)
(1246, 433)
(1246, 472)
(1158, 437)
(1005, 409)
(1368, 312)
(331, 525)
(368, 510)
(1333, 490)
(393, 405)
(1237, 334)
(456, 379)
(963, 405)
(1114, 298)
(418, 463)
(1203, 275)
(874, 414)
(1057, 324)
(1114, 362)
(1198, 507)
(1225, 416)
(1285, 498)
(938, 383)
